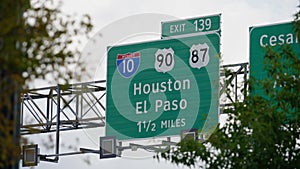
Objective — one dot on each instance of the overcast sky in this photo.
(237, 17)
(112, 18)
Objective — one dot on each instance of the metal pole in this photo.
(16, 120)
(77, 107)
(57, 123)
(245, 80)
(236, 87)
(48, 111)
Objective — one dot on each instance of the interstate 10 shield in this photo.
(154, 89)
(128, 63)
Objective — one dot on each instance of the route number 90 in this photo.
(164, 60)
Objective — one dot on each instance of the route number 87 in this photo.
(199, 55)
(195, 55)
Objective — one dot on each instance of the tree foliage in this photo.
(262, 131)
(37, 40)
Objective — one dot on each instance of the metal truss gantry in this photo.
(82, 105)
(63, 107)
(60, 108)
(233, 83)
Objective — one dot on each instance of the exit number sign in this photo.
(191, 26)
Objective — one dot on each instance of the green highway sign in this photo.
(162, 87)
(191, 26)
(275, 36)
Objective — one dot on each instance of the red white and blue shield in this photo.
(128, 64)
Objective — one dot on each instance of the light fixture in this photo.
(30, 155)
(108, 147)
(191, 133)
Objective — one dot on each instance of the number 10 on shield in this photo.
(128, 64)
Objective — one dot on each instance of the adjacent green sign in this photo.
(162, 87)
(274, 36)
(191, 26)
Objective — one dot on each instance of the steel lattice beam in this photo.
(63, 107)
